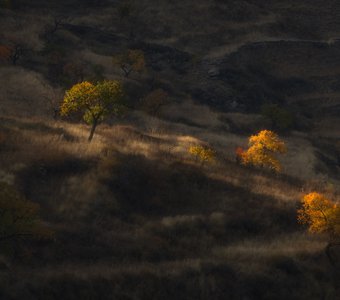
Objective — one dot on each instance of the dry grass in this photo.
(135, 216)
(257, 251)
(22, 28)
(21, 90)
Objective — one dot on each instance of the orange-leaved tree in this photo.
(262, 151)
(96, 101)
(322, 216)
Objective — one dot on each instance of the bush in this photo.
(153, 102)
(202, 153)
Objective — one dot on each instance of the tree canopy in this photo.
(96, 101)
(262, 150)
(320, 214)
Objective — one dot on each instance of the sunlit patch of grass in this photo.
(293, 245)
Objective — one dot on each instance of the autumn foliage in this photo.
(263, 149)
(320, 214)
(202, 153)
(96, 101)
(239, 152)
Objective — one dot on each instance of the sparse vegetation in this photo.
(130, 61)
(153, 102)
(11, 53)
(18, 216)
(160, 205)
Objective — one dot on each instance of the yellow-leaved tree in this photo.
(202, 153)
(322, 216)
(131, 60)
(18, 216)
(262, 151)
(96, 101)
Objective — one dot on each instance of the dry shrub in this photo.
(154, 101)
(130, 61)
(5, 53)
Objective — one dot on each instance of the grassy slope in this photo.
(135, 217)
(133, 207)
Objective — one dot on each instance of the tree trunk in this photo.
(94, 125)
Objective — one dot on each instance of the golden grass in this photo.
(161, 140)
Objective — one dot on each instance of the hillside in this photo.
(132, 215)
